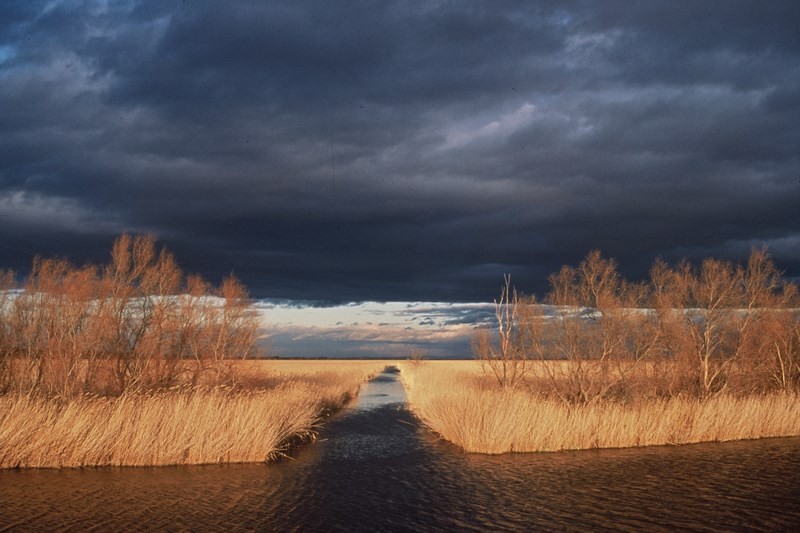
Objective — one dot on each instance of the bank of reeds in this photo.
(178, 427)
(692, 354)
(468, 410)
(338, 380)
(189, 427)
(135, 363)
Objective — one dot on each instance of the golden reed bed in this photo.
(275, 403)
(463, 406)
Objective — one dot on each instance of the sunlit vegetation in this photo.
(276, 404)
(133, 325)
(134, 363)
(338, 381)
(467, 408)
(691, 355)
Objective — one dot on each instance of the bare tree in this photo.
(508, 355)
(687, 330)
(132, 325)
(599, 330)
(7, 284)
(417, 356)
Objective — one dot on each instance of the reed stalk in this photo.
(466, 409)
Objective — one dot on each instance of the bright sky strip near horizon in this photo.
(371, 329)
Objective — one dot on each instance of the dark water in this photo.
(375, 469)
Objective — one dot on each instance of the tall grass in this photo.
(465, 408)
(693, 354)
(190, 427)
(338, 381)
(178, 427)
(135, 363)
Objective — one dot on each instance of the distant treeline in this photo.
(687, 330)
(137, 323)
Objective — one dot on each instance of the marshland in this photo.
(693, 354)
(375, 467)
(135, 364)
(370, 301)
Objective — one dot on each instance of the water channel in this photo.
(375, 469)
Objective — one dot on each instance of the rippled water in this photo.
(375, 469)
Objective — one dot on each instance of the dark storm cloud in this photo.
(400, 150)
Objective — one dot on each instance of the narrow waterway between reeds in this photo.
(375, 469)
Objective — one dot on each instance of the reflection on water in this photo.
(374, 468)
(382, 391)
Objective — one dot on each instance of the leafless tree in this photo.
(134, 324)
(507, 356)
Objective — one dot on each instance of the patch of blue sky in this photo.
(7, 53)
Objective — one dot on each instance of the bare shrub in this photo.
(728, 321)
(507, 355)
(135, 324)
(231, 331)
(416, 357)
(783, 361)
(599, 329)
(685, 331)
(7, 284)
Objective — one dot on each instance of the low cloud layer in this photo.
(396, 151)
(371, 329)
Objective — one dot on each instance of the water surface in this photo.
(375, 469)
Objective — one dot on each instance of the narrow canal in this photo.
(375, 469)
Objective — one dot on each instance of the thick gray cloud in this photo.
(400, 150)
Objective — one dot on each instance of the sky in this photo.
(431, 330)
(354, 151)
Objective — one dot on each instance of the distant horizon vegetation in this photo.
(377, 330)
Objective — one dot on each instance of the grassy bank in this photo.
(273, 404)
(135, 363)
(465, 407)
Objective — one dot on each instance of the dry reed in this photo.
(134, 363)
(190, 426)
(338, 380)
(466, 409)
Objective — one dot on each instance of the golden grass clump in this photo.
(187, 427)
(465, 408)
(135, 363)
(338, 380)
(179, 427)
